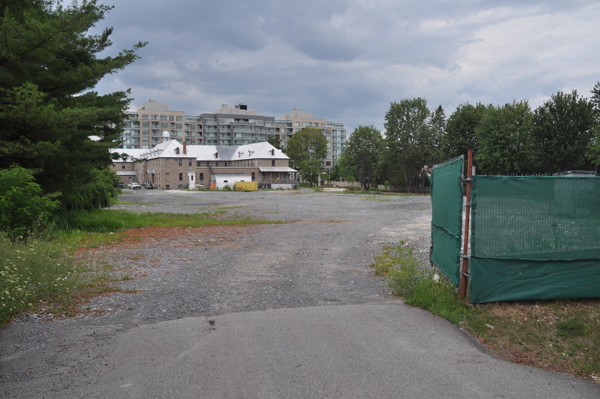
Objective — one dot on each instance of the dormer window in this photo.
(273, 152)
(177, 151)
(240, 154)
(216, 155)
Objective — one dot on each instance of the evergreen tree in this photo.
(50, 119)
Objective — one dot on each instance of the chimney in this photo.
(184, 148)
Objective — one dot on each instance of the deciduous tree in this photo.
(504, 140)
(362, 154)
(461, 128)
(412, 138)
(307, 149)
(562, 130)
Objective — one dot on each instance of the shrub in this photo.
(22, 202)
(94, 194)
(403, 278)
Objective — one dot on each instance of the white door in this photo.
(191, 181)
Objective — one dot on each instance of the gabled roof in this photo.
(174, 149)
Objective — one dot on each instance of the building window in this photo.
(181, 160)
(180, 176)
(201, 177)
(189, 162)
(273, 162)
(253, 176)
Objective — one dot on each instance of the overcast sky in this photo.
(347, 60)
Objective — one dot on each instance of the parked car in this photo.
(148, 185)
(119, 185)
(134, 186)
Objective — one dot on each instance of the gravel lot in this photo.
(321, 257)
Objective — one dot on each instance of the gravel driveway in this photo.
(288, 310)
(320, 257)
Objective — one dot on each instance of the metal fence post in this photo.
(465, 260)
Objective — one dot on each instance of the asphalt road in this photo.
(277, 311)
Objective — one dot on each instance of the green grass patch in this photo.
(377, 198)
(41, 273)
(562, 335)
(416, 286)
(38, 274)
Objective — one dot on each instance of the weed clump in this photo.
(418, 287)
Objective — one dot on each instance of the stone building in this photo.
(172, 165)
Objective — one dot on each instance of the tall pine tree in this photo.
(49, 65)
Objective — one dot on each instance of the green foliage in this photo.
(34, 272)
(362, 153)
(95, 193)
(23, 204)
(275, 141)
(596, 97)
(562, 130)
(48, 66)
(504, 140)
(440, 298)
(416, 286)
(343, 170)
(307, 149)
(413, 138)
(461, 130)
(593, 148)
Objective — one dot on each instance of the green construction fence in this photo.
(531, 237)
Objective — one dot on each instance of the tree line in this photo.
(560, 135)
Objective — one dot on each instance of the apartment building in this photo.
(227, 126)
(236, 126)
(334, 132)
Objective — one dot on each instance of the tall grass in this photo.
(34, 272)
(418, 287)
